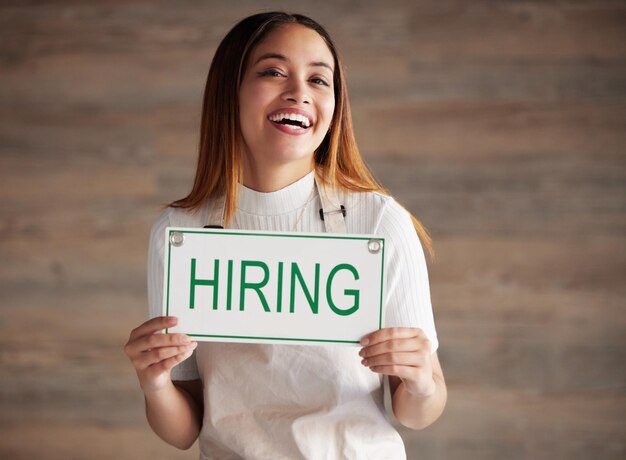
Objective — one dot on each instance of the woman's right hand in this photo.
(154, 354)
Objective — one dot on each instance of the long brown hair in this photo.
(219, 170)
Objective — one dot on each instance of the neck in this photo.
(275, 177)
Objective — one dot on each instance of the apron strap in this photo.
(332, 212)
(216, 212)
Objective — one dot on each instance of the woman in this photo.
(276, 144)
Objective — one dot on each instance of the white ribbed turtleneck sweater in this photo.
(267, 401)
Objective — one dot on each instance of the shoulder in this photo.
(364, 201)
(395, 220)
(373, 212)
(379, 214)
(179, 217)
(176, 217)
(159, 226)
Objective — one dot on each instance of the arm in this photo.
(173, 409)
(175, 412)
(419, 412)
(406, 352)
(416, 380)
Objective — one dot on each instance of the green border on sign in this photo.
(218, 232)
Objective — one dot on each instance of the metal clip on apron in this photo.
(332, 212)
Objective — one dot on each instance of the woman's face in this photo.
(289, 75)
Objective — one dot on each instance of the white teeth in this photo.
(291, 116)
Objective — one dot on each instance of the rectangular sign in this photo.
(273, 287)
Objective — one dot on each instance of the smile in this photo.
(290, 129)
(291, 119)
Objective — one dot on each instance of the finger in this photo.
(389, 346)
(152, 326)
(167, 364)
(391, 333)
(158, 355)
(392, 359)
(403, 372)
(148, 342)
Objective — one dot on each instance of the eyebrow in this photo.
(286, 59)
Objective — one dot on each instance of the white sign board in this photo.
(273, 287)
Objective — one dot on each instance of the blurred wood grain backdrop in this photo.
(500, 124)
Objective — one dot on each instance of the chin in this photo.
(292, 153)
(290, 157)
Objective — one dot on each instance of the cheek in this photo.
(248, 111)
(253, 100)
(328, 109)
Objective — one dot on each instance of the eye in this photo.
(319, 81)
(270, 73)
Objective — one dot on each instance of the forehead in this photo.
(296, 42)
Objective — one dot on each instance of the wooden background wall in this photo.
(500, 124)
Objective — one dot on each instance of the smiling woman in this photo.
(277, 152)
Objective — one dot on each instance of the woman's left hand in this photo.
(403, 352)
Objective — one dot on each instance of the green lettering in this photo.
(353, 292)
(313, 301)
(200, 282)
(279, 289)
(254, 286)
(229, 286)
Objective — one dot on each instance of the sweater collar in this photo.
(285, 200)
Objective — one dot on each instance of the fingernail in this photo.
(365, 341)
(364, 362)
(186, 339)
(194, 345)
(362, 352)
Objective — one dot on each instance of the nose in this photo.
(297, 92)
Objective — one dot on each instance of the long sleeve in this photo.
(407, 298)
(186, 370)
